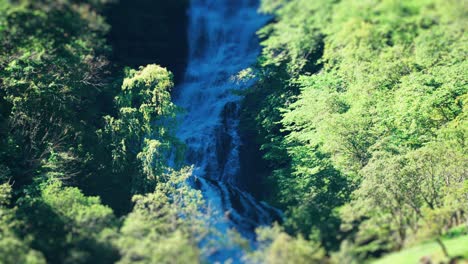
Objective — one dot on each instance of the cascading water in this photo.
(222, 42)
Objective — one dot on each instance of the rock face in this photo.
(149, 31)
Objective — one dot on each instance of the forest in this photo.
(353, 127)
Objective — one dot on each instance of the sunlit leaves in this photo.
(391, 92)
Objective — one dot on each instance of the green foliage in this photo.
(13, 249)
(431, 251)
(276, 246)
(297, 37)
(67, 133)
(165, 226)
(141, 137)
(366, 98)
(359, 112)
(53, 85)
(304, 181)
(53, 90)
(66, 226)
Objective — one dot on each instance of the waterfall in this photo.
(222, 42)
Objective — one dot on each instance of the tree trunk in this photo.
(444, 248)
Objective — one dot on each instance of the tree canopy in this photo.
(357, 122)
(363, 119)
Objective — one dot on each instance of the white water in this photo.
(222, 42)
